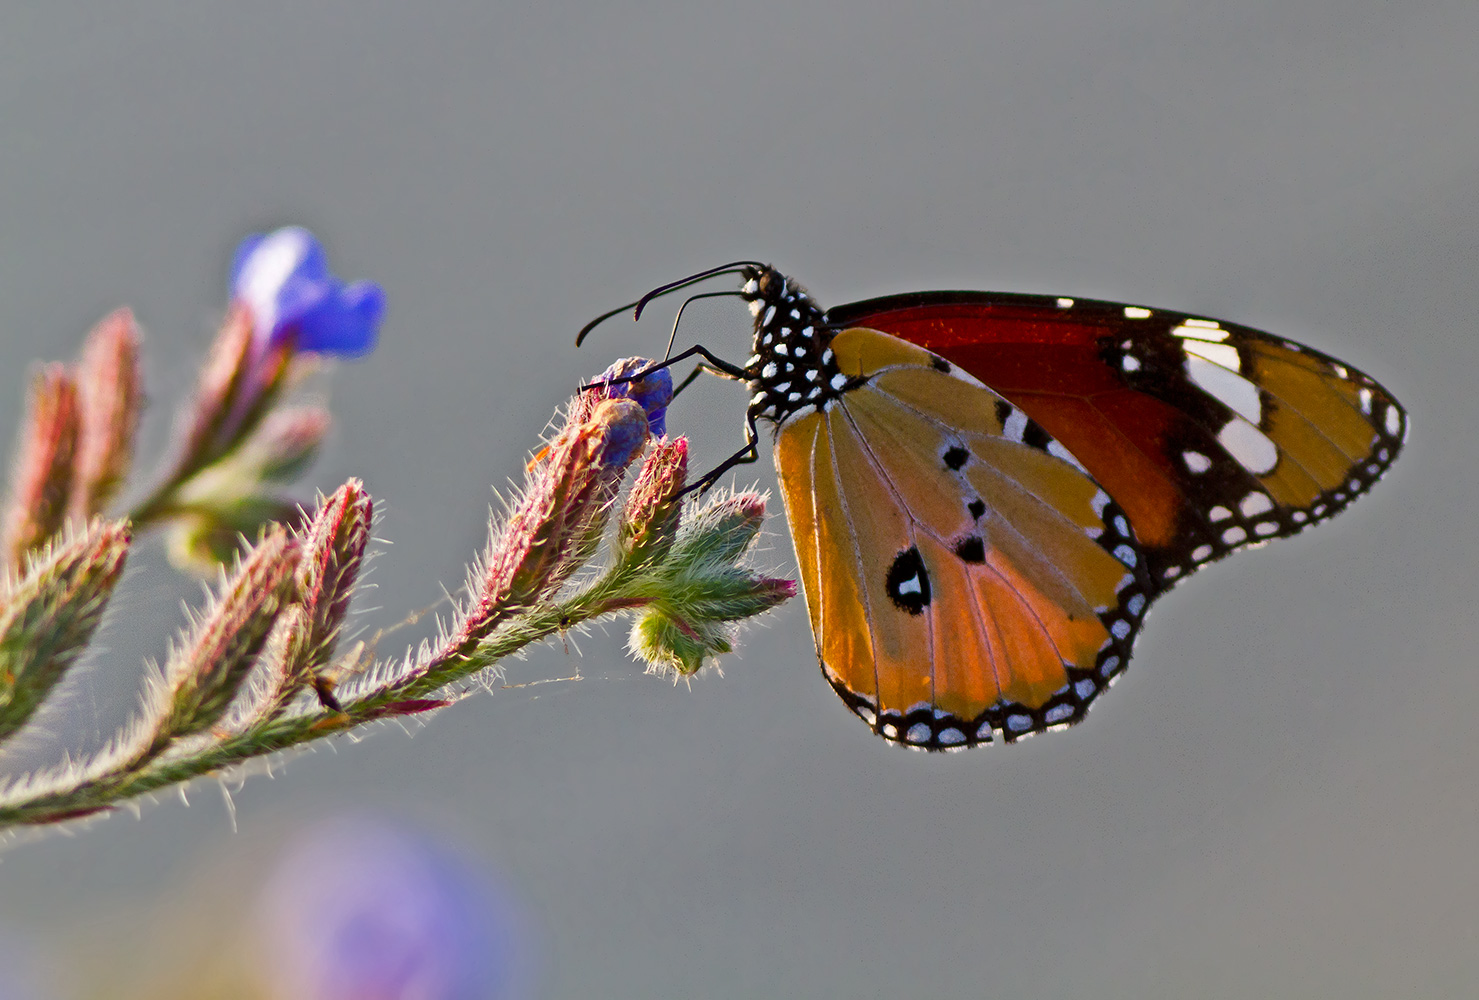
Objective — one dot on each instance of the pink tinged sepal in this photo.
(110, 396)
(49, 615)
(43, 470)
(332, 550)
(285, 444)
(236, 388)
(206, 671)
(654, 506)
(555, 524)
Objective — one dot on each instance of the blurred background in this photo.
(1277, 801)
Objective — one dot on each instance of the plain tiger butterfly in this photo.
(986, 491)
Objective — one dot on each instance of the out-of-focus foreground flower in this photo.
(236, 443)
(360, 909)
(284, 280)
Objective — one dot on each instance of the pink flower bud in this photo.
(653, 508)
(43, 468)
(110, 397)
(204, 674)
(556, 523)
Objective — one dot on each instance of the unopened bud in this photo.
(332, 552)
(556, 524)
(43, 468)
(205, 673)
(722, 530)
(110, 398)
(286, 442)
(237, 386)
(698, 594)
(48, 616)
(654, 507)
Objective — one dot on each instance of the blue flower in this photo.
(653, 392)
(283, 278)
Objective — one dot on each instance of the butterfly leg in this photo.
(747, 455)
(719, 365)
(699, 369)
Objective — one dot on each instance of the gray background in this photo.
(1278, 801)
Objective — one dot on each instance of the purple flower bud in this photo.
(361, 910)
(283, 278)
(653, 392)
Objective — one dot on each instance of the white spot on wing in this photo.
(1187, 332)
(1196, 461)
(1255, 503)
(1249, 446)
(1015, 425)
(1130, 363)
(1136, 312)
(1065, 303)
(1230, 388)
(1058, 451)
(1394, 421)
(1225, 355)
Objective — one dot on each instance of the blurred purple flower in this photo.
(363, 910)
(283, 278)
(22, 964)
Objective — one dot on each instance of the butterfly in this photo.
(986, 491)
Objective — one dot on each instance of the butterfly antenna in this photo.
(673, 286)
(599, 320)
(692, 279)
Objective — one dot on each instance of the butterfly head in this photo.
(791, 368)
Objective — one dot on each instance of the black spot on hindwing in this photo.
(972, 549)
(908, 582)
(940, 364)
(955, 456)
(977, 507)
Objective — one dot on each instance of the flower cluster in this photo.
(259, 670)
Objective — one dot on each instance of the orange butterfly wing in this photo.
(960, 580)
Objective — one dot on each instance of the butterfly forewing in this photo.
(963, 573)
(1211, 436)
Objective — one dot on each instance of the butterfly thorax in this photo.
(792, 367)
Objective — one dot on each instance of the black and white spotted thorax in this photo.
(791, 367)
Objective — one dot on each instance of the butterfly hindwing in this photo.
(963, 573)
